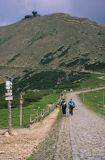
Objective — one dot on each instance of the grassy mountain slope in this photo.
(53, 42)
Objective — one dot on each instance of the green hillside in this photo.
(45, 45)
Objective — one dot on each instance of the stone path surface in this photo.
(87, 133)
(77, 137)
(63, 148)
(57, 144)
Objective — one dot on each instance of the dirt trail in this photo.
(21, 145)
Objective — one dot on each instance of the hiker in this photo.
(63, 105)
(71, 105)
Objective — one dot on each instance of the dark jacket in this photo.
(63, 103)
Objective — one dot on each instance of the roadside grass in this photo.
(33, 108)
(83, 81)
(94, 101)
(34, 101)
(91, 81)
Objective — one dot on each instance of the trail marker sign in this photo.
(9, 98)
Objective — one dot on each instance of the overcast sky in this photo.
(14, 10)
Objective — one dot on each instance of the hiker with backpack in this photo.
(63, 106)
(71, 105)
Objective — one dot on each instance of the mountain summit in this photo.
(51, 42)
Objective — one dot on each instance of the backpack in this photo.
(72, 104)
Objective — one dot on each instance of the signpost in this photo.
(9, 98)
(21, 103)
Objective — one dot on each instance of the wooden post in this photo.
(30, 119)
(83, 96)
(9, 98)
(103, 99)
(9, 118)
(21, 114)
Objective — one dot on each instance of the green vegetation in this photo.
(60, 52)
(35, 99)
(40, 35)
(37, 36)
(90, 81)
(14, 58)
(47, 58)
(63, 51)
(29, 97)
(78, 81)
(77, 61)
(101, 33)
(42, 80)
(36, 45)
(3, 40)
(60, 48)
(69, 39)
(58, 80)
(95, 101)
(95, 66)
(27, 110)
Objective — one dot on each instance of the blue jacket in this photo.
(71, 104)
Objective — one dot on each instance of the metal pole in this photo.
(9, 118)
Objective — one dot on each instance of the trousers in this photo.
(71, 110)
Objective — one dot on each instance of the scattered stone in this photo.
(6, 134)
(2, 152)
(14, 133)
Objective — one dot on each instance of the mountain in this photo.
(56, 43)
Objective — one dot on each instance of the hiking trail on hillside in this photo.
(78, 137)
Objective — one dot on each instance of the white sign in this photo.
(9, 90)
(8, 94)
(9, 98)
(8, 84)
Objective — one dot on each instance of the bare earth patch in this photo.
(22, 144)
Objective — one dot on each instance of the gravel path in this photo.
(77, 137)
(63, 151)
(57, 144)
(87, 132)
